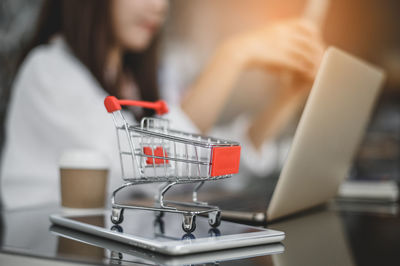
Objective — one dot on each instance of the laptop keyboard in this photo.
(241, 203)
(255, 198)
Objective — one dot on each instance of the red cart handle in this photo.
(112, 104)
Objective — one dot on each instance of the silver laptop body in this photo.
(329, 132)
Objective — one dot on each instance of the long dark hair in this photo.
(86, 26)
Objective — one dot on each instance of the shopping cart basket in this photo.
(151, 152)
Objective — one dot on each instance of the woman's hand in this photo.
(290, 49)
(291, 46)
(293, 50)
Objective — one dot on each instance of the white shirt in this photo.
(56, 105)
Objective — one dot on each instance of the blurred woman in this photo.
(83, 51)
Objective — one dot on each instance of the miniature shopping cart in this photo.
(151, 152)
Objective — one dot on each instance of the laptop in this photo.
(329, 132)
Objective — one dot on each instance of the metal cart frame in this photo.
(154, 153)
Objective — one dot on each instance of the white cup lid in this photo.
(83, 159)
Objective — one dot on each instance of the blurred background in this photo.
(366, 28)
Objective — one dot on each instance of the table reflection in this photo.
(67, 247)
(117, 253)
(315, 238)
(333, 236)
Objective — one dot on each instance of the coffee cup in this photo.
(83, 179)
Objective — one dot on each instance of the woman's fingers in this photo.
(309, 58)
(307, 28)
(286, 56)
(310, 46)
(289, 46)
(291, 61)
(307, 49)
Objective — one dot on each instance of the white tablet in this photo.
(116, 252)
(144, 230)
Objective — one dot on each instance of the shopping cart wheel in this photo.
(117, 215)
(189, 223)
(117, 228)
(188, 236)
(214, 232)
(214, 218)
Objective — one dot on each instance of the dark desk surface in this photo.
(340, 234)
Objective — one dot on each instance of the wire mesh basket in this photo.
(152, 152)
